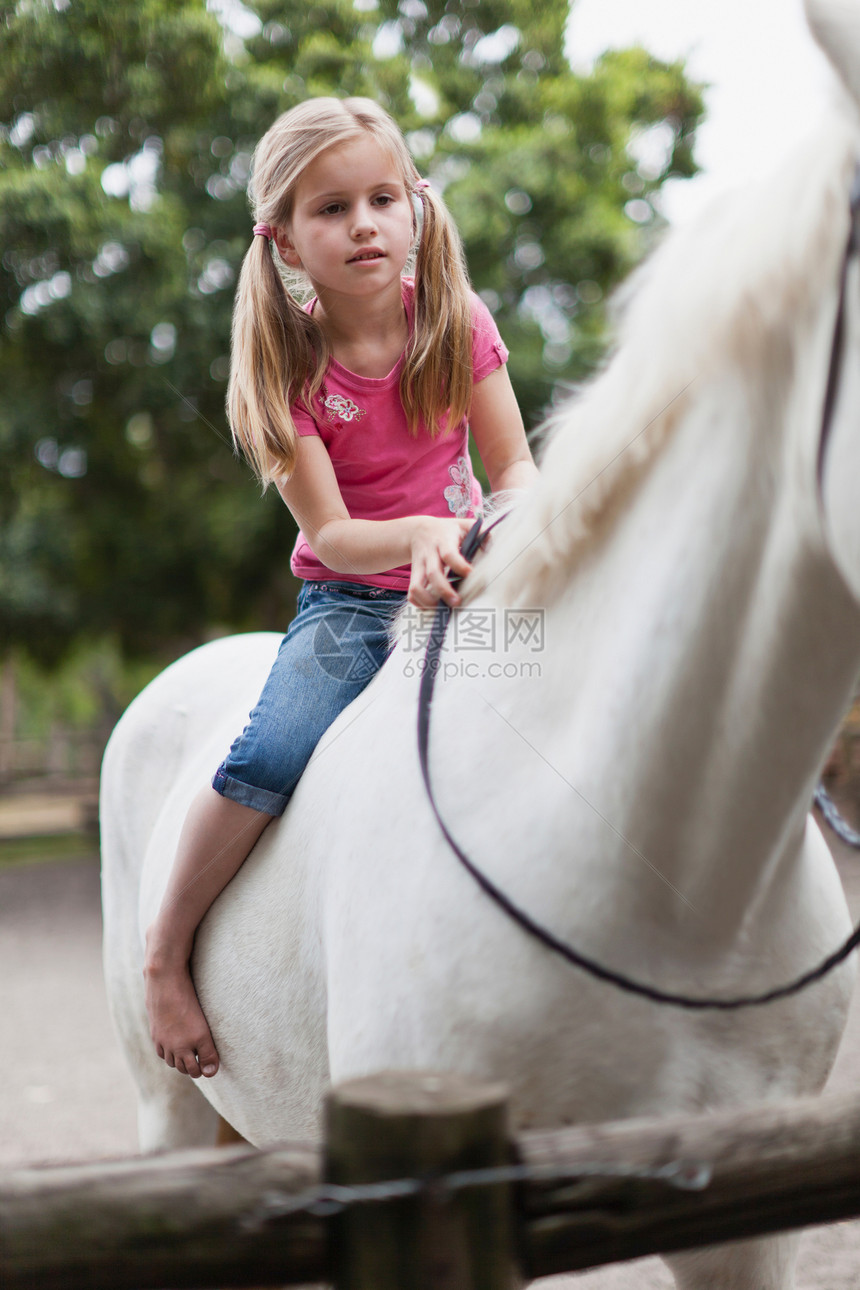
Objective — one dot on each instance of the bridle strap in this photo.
(471, 544)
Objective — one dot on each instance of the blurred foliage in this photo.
(126, 133)
(88, 691)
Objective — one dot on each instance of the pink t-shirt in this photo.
(383, 471)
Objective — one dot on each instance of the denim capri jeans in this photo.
(335, 645)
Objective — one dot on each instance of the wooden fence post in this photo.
(416, 1125)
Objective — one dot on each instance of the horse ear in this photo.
(835, 25)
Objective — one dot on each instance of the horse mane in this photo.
(714, 297)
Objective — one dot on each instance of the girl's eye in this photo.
(337, 208)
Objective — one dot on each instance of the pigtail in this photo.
(277, 351)
(437, 372)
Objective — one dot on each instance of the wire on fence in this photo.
(329, 1198)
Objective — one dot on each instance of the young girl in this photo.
(356, 406)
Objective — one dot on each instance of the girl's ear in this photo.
(286, 250)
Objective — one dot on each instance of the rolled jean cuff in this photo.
(259, 799)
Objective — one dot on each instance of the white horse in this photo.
(640, 785)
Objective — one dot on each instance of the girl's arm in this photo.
(497, 428)
(428, 543)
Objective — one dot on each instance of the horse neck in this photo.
(707, 647)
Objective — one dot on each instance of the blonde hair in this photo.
(280, 352)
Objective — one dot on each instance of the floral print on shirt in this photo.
(339, 408)
(459, 494)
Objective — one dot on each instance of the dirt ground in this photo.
(67, 1094)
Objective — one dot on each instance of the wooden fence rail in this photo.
(64, 754)
(420, 1186)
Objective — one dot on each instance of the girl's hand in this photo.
(435, 548)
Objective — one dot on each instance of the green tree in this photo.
(125, 145)
(551, 176)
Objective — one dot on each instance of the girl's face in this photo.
(351, 229)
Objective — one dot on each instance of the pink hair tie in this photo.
(421, 185)
(262, 230)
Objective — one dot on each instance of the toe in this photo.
(206, 1052)
(208, 1059)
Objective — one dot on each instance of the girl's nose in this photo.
(363, 221)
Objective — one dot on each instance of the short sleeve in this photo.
(489, 351)
(303, 421)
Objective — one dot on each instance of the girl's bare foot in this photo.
(177, 1025)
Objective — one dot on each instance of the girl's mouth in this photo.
(366, 255)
